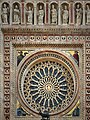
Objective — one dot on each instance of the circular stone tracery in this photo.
(48, 84)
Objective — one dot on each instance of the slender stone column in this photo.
(35, 14)
(47, 12)
(22, 12)
(11, 13)
(59, 13)
(71, 18)
(73, 12)
(83, 13)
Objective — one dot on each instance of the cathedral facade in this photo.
(45, 59)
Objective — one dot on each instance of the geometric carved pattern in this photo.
(48, 39)
(48, 84)
(52, 85)
(88, 78)
(7, 77)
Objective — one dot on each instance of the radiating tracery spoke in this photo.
(48, 84)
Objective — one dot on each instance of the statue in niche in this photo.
(30, 15)
(78, 14)
(53, 15)
(65, 15)
(5, 14)
(41, 16)
(87, 14)
(16, 14)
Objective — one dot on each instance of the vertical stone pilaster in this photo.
(11, 20)
(22, 12)
(59, 14)
(49, 14)
(73, 11)
(83, 13)
(46, 12)
(71, 18)
(35, 14)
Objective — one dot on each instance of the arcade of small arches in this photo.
(46, 13)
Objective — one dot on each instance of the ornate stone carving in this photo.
(30, 14)
(54, 14)
(47, 84)
(16, 13)
(5, 14)
(78, 14)
(65, 14)
(87, 13)
(40, 14)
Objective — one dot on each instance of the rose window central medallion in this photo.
(49, 87)
(48, 82)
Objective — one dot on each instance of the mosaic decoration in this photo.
(48, 84)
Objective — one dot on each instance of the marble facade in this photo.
(39, 25)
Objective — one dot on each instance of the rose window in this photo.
(48, 81)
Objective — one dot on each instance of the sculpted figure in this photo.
(30, 15)
(53, 15)
(16, 14)
(78, 15)
(41, 16)
(88, 14)
(65, 15)
(5, 13)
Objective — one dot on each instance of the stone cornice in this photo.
(46, 30)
